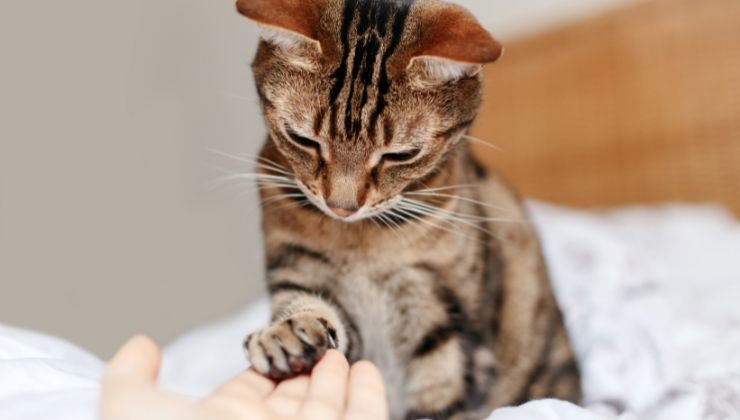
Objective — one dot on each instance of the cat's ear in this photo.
(453, 44)
(284, 22)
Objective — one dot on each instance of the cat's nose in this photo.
(343, 211)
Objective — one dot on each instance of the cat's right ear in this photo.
(285, 23)
(452, 45)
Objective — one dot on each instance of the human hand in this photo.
(334, 391)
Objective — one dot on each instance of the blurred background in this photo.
(107, 109)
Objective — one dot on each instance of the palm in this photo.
(332, 392)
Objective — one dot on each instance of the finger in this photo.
(138, 361)
(327, 388)
(288, 397)
(131, 374)
(250, 385)
(367, 398)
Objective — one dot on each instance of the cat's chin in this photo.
(355, 218)
(364, 214)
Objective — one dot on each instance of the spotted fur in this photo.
(384, 238)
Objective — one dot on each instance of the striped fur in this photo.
(387, 241)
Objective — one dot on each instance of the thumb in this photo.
(137, 361)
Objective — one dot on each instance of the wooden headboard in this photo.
(638, 106)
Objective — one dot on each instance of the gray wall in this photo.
(107, 225)
(107, 108)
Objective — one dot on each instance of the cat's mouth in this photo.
(367, 211)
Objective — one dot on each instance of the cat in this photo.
(385, 238)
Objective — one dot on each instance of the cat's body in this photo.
(384, 238)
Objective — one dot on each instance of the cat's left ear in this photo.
(285, 21)
(453, 44)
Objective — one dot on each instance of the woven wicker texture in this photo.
(638, 106)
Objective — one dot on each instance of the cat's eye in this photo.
(303, 141)
(401, 157)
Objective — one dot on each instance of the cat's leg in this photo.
(435, 383)
(559, 376)
(533, 352)
(532, 347)
(306, 324)
(450, 383)
(452, 367)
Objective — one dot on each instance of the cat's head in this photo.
(364, 98)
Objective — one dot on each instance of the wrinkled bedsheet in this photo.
(651, 297)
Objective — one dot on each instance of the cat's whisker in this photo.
(483, 143)
(420, 219)
(257, 181)
(228, 174)
(250, 186)
(264, 162)
(262, 186)
(271, 170)
(260, 177)
(276, 181)
(257, 158)
(439, 210)
(459, 215)
(392, 222)
(456, 222)
(454, 197)
(254, 160)
(280, 197)
(263, 159)
(224, 183)
(258, 188)
(392, 225)
(298, 204)
(375, 222)
(449, 217)
(416, 213)
(445, 217)
(391, 214)
(448, 188)
(228, 155)
(382, 220)
(262, 181)
(231, 175)
(276, 185)
(247, 177)
(453, 226)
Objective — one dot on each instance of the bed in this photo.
(632, 107)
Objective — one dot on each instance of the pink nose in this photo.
(342, 212)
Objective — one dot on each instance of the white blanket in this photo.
(651, 296)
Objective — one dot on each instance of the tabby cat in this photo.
(384, 238)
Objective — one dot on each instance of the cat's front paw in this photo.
(292, 347)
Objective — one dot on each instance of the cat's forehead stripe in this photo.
(365, 44)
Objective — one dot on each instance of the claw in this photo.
(291, 348)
